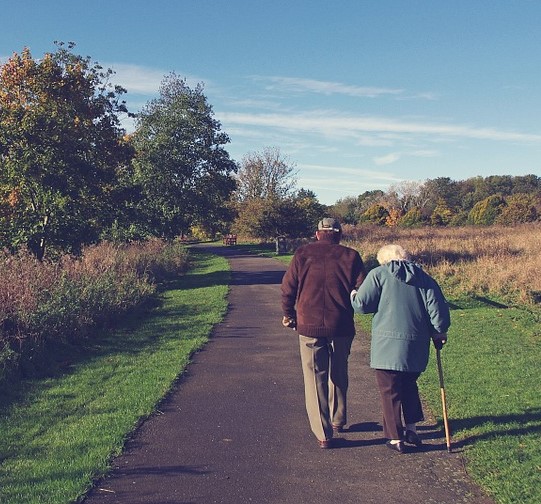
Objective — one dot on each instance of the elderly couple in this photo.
(323, 286)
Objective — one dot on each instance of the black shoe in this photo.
(338, 428)
(412, 438)
(399, 447)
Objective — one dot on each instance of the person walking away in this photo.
(409, 311)
(315, 301)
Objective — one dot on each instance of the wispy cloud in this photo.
(424, 153)
(387, 159)
(420, 96)
(326, 87)
(144, 80)
(301, 85)
(349, 172)
(137, 79)
(333, 124)
(395, 156)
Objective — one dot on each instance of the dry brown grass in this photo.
(42, 302)
(499, 261)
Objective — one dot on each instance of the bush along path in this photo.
(59, 432)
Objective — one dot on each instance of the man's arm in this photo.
(360, 272)
(289, 295)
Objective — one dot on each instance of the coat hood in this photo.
(406, 272)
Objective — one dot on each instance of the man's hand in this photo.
(352, 295)
(289, 322)
(439, 339)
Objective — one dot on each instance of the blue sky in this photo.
(357, 94)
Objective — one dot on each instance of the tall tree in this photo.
(369, 198)
(404, 196)
(519, 208)
(528, 184)
(265, 175)
(184, 172)
(61, 145)
(440, 191)
(265, 199)
(485, 212)
(346, 210)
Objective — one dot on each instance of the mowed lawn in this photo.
(493, 387)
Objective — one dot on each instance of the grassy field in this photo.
(495, 261)
(491, 371)
(60, 431)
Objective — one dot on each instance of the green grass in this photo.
(491, 369)
(493, 390)
(60, 432)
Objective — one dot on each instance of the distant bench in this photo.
(230, 239)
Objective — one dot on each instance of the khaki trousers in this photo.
(325, 371)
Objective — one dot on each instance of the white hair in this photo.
(392, 252)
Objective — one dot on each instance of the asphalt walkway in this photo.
(235, 430)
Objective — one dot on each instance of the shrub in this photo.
(412, 218)
(485, 212)
(376, 214)
(62, 302)
(520, 208)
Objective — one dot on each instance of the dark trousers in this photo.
(399, 396)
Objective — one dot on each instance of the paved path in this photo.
(235, 430)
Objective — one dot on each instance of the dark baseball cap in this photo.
(329, 224)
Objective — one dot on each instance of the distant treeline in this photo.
(497, 199)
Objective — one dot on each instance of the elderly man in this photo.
(315, 301)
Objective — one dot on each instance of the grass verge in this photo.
(491, 372)
(60, 432)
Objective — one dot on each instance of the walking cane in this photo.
(443, 402)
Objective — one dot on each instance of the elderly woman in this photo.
(409, 311)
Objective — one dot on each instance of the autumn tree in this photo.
(412, 218)
(61, 145)
(184, 172)
(442, 213)
(486, 212)
(527, 184)
(368, 198)
(266, 202)
(519, 208)
(403, 196)
(439, 192)
(309, 211)
(346, 210)
(394, 217)
(376, 214)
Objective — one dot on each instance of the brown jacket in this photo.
(316, 288)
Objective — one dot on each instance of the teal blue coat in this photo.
(408, 307)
